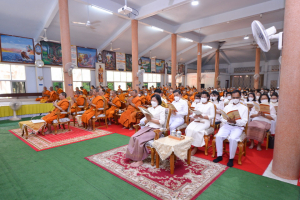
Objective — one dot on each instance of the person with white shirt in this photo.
(177, 118)
(196, 101)
(261, 122)
(200, 122)
(136, 150)
(227, 98)
(219, 104)
(232, 128)
(274, 99)
(274, 102)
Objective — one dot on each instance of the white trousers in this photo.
(234, 133)
(175, 122)
(142, 121)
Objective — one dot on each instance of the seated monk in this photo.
(58, 90)
(107, 95)
(148, 97)
(84, 91)
(96, 103)
(119, 89)
(90, 96)
(53, 95)
(184, 95)
(129, 116)
(122, 96)
(114, 103)
(45, 95)
(142, 97)
(61, 106)
(171, 96)
(79, 101)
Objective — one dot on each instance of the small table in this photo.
(168, 147)
(35, 127)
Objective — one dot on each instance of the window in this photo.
(116, 78)
(152, 80)
(12, 79)
(57, 77)
(81, 78)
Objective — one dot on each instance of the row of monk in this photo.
(209, 104)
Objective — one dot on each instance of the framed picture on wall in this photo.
(86, 57)
(38, 49)
(128, 62)
(17, 49)
(109, 58)
(160, 66)
(145, 64)
(51, 53)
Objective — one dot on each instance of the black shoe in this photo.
(218, 159)
(230, 163)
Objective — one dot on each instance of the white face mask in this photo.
(273, 100)
(129, 95)
(203, 100)
(250, 98)
(264, 101)
(235, 101)
(154, 103)
(176, 98)
(257, 97)
(214, 98)
(139, 95)
(197, 100)
(145, 93)
(229, 97)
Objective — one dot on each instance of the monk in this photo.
(84, 91)
(142, 97)
(119, 89)
(107, 94)
(122, 96)
(114, 103)
(96, 103)
(61, 106)
(45, 95)
(184, 95)
(53, 95)
(171, 96)
(129, 116)
(79, 101)
(148, 97)
(58, 90)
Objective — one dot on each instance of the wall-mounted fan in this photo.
(44, 38)
(39, 63)
(69, 68)
(88, 24)
(140, 73)
(178, 76)
(263, 36)
(111, 48)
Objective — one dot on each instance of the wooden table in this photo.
(173, 148)
(35, 127)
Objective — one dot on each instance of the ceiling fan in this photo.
(44, 38)
(88, 24)
(111, 48)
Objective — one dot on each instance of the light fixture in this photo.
(101, 9)
(187, 39)
(208, 46)
(246, 37)
(195, 2)
(158, 29)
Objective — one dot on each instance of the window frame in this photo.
(11, 80)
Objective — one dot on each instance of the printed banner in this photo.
(121, 61)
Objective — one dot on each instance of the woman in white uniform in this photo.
(219, 104)
(200, 122)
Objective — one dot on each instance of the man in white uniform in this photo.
(231, 127)
(177, 118)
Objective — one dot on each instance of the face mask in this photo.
(214, 98)
(197, 100)
(176, 98)
(257, 97)
(264, 101)
(139, 95)
(273, 100)
(250, 98)
(229, 97)
(153, 103)
(235, 101)
(203, 100)
(129, 95)
(262, 92)
(145, 93)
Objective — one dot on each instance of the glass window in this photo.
(170, 78)
(129, 76)
(18, 87)
(117, 76)
(5, 87)
(5, 72)
(110, 76)
(110, 85)
(123, 76)
(158, 78)
(86, 85)
(154, 78)
(59, 84)
(122, 84)
(149, 77)
(18, 72)
(145, 77)
(77, 84)
(77, 75)
(86, 75)
(56, 74)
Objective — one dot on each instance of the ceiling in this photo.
(219, 20)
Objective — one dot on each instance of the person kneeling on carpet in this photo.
(61, 106)
(136, 149)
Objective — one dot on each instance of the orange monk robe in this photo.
(84, 91)
(192, 98)
(148, 98)
(221, 94)
(79, 102)
(129, 116)
(143, 99)
(59, 90)
(107, 95)
(63, 104)
(110, 112)
(185, 96)
(53, 96)
(122, 97)
(108, 90)
(45, 95)
(171, 98)
(88, 114)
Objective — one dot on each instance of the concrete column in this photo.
(174, 60)
(65, 43)
(286, 162)
(135, 54)
(217, 62)
(257, 65)
(199, 66)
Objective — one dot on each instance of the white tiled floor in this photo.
(269, 174)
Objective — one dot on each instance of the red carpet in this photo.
(117, 129)
(39, 142)
(187, 182)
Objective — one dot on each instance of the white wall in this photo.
(31, 86)
(47, 77)
(93, 78)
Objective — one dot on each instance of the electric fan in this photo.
(69, 68)
(15, 105)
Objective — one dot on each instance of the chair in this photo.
(149, 144)
(208, 132)
(118, 112)
(98, 114)
(74, 114)
(242, 143)
(62, 121)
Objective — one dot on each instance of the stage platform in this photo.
(30, 108)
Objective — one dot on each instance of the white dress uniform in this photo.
(220, 106)
(195, 129)
(233, 130)
(273, 122)
(178, 119)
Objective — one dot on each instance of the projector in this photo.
(125, 10)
